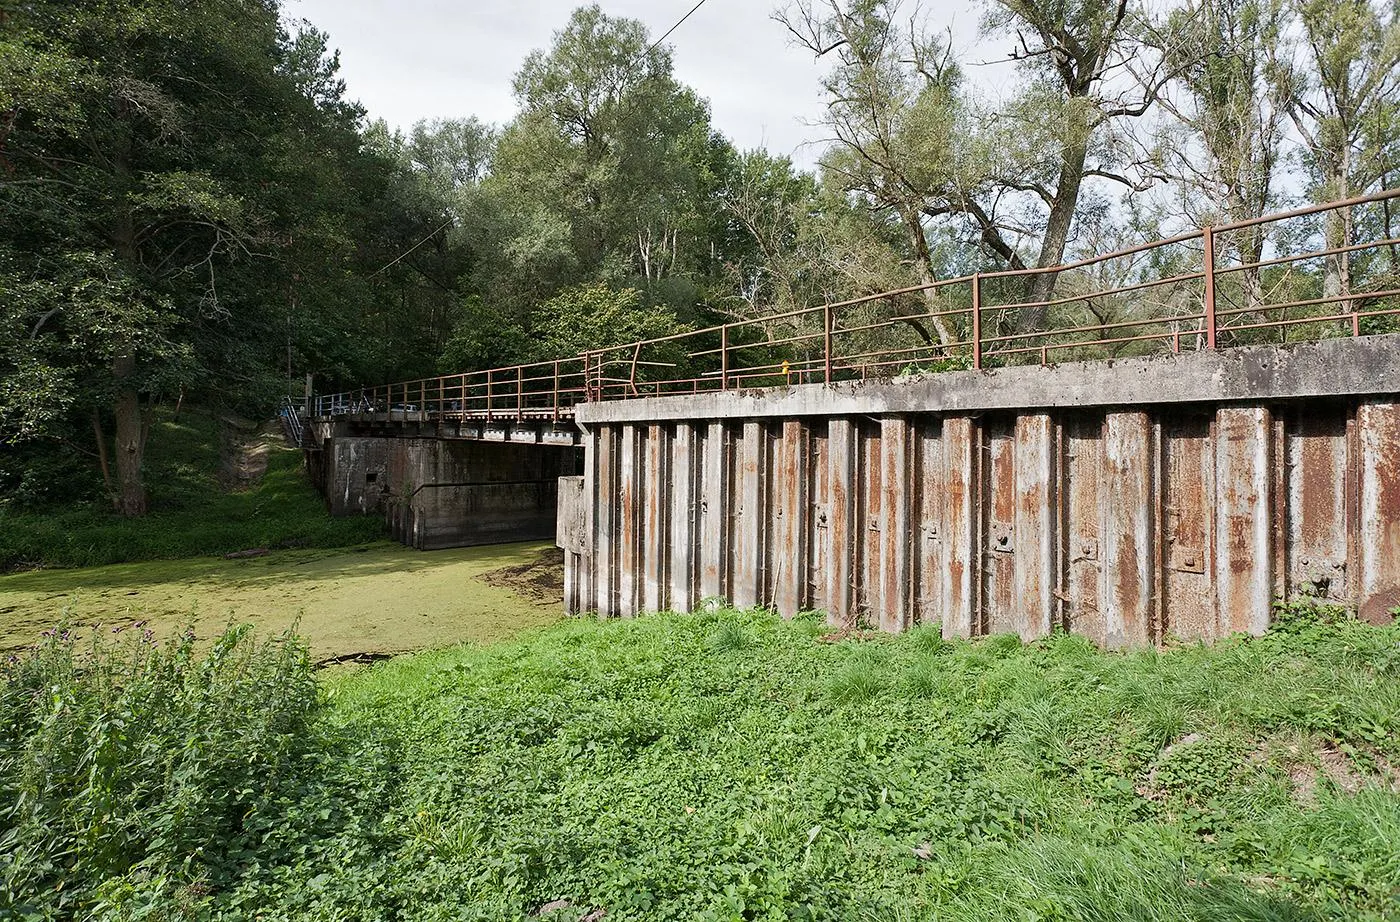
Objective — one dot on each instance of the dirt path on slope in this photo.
(244, 448)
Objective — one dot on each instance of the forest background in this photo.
(196, 211)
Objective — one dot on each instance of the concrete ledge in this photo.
(1330, 368)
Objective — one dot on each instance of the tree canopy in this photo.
(196, 209)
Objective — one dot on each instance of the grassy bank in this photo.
(733, 766)
(193, 512)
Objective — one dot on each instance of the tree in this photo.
(164, 160)
(432, 227)
(1224, 147)
(903, 133)
(1087, 73)
(610, 160)
(594, 316)
(1344, 87)
(910, 140)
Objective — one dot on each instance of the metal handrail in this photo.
(290, 412)
(812, 341)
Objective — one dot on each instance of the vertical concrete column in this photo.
(897, 486)
(631, 494)
(1126, 530)
(1243, 557)
(1034, 574)
(684, 519)
(749, 521)
(714, 512)
(1378, 541)
(655, 518)
(790, 488)
(959, 478)
(605, 508)
(927, 551)
(585, 561)
(841, 521)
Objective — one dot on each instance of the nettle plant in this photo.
(134, 767)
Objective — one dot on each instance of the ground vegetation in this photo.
(724, 765)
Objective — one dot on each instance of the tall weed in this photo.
(129, 759)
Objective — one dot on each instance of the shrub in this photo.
(130, 766)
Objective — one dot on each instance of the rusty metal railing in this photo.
(1248, 282)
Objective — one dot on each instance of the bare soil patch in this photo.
(541, 579)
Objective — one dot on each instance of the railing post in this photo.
(554, 397)
(826, 338)
(977, 320)
(724, 357)
(519, 392)
(1208, 239)
(488, 395)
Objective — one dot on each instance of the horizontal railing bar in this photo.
(1127, 289)
(1089, 328)
(1309, 302)
(1315, 254)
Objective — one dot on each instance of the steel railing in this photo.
(1261, 280)
(293, 427)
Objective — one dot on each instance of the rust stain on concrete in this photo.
(1129, 525)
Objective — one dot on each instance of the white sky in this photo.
(414, 59)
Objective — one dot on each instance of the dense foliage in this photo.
(180, 190)
(192, 513)
(127, 768)
(721, 766)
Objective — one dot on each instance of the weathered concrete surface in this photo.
(1339, 367)
(1131, 523)
(438, 493)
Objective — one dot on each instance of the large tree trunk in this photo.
(129, 497)
(102, 464)
(1336, 273)
(1052, 246)
(923, 264)
(1336, 279)
(130, 494)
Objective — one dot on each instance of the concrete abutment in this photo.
(442, 492)
(1132, 501)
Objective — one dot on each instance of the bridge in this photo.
(1188, 430)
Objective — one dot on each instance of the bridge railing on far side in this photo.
(1307, 274)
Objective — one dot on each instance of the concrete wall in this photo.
(1176, 497)
(437, 493)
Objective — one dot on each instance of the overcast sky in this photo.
(412, 59)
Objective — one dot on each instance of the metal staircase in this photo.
(293, 426)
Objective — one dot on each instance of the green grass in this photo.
(731, 766)
(191, 515)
